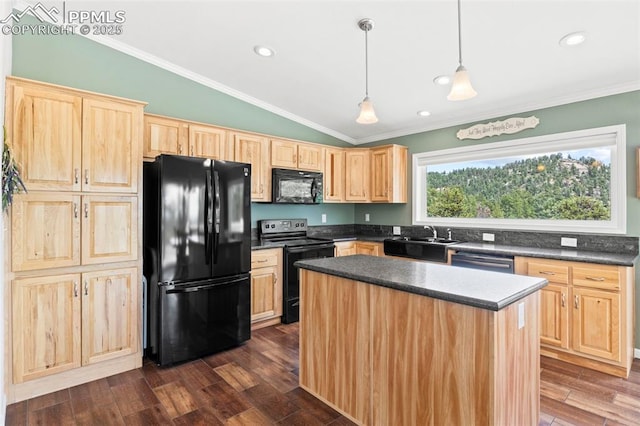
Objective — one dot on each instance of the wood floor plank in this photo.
(252, 416)
(223, 400)
(154, 415)
(89, 395)
(236, 376)
(108, 414)
(313, 405)
(48, 400)
(16, 414)
(203, 416)
(134, 396)
(176, 399)
(273, 403)
(605, 409)
(568, 413)
(280, 377)
(573, 383)
(58, 414)
(553, 390)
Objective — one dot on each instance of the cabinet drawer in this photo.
(263, 258)
(602, 276)
(551, 271)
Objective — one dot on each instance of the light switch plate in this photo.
(396, 230)
(488, 237)
(324, 218)
(568, 242)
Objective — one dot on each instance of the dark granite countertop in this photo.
(619, 259)
(480, 289)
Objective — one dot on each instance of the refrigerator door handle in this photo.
(208, 222)
(216, 217)
(204, 287)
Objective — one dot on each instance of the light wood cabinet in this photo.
(369, 248)
(266, 287)
(46, 326)
(109, 314)
(344, 248)
(109, 229)
(587, 312)
(357, 182)
(111, 134)
(210, 142)
(75, 237)
(388, 174)
(289, 154)
(164, 135)
(254, 149)
(334, 175)
(62, 322)
(67, 142)
(45, 231)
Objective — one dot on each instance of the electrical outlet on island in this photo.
(488, 237)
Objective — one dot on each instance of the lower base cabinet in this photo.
(67, 321)
(347, 248)
(586, 313)
(266, 287)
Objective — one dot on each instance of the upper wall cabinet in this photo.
(334, 175)
(254, 149)
(358, 175)
(389, 174)
(64, 141)
(165, 135)
(296, 155)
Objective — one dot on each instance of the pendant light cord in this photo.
(366, 63)
(459, 37)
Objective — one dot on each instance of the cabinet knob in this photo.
(546, 273)
(599, 279)
(576, 301)
(86, 288)
(75, 210)
(179, 148)
(76, 175)
(192, 150)
(86, 210)
(86, 176)
(75, 289)
(563, 301)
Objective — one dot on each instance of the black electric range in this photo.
(292, 234)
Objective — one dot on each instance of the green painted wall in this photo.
(600, 112)
(75, 61)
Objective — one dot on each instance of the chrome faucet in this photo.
(435, 233)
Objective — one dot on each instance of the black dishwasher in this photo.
(483, 261)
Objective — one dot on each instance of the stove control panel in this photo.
(278, 226)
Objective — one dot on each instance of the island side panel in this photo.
(517, 364)
(335, 360)
(431, 360)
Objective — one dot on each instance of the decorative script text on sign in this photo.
(495, 128)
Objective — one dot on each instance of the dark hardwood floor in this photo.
(257, 384)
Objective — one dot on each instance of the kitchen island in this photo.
(388, 341)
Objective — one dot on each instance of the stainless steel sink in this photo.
(434, 250)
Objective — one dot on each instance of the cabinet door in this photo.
(357, 171)
(381, 174)
(109, 314)
(284, 154)
(43, 127)
(254, 150)
(209, 142)
(371, 249)
(554, 315)
(310, 157)
(596, 323)
(266, 300)
(45, 231)
(109, 229)
(111, 137)
(164, 136)
(334, 175)
(345, 248)
(45, 325)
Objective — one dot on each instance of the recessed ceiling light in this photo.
(573, 39)
(442, 80)
(264, 51)
(424, 113)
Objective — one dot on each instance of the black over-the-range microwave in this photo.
(296, 187)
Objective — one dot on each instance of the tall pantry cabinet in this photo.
(73, 280)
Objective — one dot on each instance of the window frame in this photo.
(546, 143)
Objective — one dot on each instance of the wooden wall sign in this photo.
(495, 128)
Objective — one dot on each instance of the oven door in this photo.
(291, 285)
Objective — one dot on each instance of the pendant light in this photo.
(367, 114)
(461, 88)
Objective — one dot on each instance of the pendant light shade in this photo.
(461, 88)
(367, 113)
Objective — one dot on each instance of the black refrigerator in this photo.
(197, 256)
